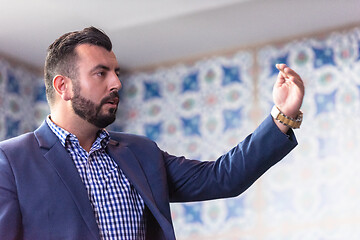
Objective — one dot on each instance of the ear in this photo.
(63, 87)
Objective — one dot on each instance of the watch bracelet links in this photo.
(289, 121)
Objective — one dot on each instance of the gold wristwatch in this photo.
(287, 121)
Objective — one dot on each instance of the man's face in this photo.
(95, 91)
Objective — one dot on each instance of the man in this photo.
(71, 179)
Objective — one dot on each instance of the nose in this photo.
(115, 83)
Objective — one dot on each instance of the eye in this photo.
(100, 74)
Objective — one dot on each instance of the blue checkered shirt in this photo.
(118, 207)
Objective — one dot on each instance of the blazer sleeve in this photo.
(233, 172)
(10, 215)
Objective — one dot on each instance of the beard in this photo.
(91, 112)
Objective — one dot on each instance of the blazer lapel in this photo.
(131, 167)
(59, 158)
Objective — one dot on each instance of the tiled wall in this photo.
(203, 109)
(22, 100)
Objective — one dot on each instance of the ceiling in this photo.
(149, 33)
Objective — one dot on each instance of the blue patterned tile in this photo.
(190, 83)
(13, 83)
(40, 94)
(152, 90)
(231, 75)
(323, 56)
(325, 102)
(235, 208)
(12, 127)
(191, 125)
(232, 118)
(153, 131)
(193, 213)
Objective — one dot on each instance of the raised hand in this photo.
(288, 91)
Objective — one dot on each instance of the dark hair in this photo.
(61, 55)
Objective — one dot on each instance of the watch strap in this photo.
(286, 120)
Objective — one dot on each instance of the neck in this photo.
(83, 130)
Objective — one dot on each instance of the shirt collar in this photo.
(101, 141)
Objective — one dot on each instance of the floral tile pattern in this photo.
(202, 110)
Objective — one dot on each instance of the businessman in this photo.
(72, 179)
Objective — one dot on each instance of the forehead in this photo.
(91, 55)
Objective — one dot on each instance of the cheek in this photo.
(93, 90)
(93, 96)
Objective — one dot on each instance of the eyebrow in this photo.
(100, 66)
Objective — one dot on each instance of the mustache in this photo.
(114, 95)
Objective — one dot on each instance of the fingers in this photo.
(281, 68)
(286, 71)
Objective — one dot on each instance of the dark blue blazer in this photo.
(43, 197)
